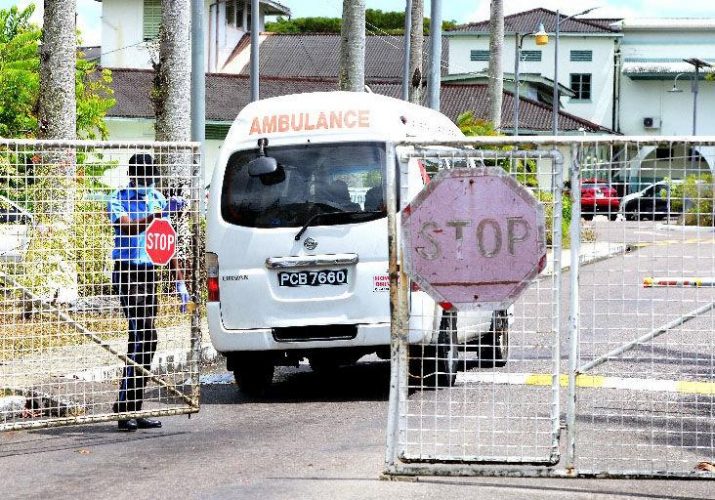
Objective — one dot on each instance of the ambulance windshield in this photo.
(311, 179)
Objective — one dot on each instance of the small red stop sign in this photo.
(160, 242)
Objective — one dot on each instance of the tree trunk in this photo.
(417, 39)
(57, 113)
(172, 79)
(495, 86)
(171, 96)
(351, 76)
(52, 260)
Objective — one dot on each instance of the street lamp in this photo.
(542, 38)
(555, 98)
(675, 89)
(698, 63)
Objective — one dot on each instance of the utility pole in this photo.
(406, 50)
(495, 85)
(435, 39)
(198, 73)
(255, 34)
(351, 75)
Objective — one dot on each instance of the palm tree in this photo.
(352, 47)
(417, 38)
(495, 85)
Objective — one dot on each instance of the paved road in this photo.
(313, 438)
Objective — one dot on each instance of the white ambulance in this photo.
(297, 240)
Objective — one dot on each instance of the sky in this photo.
(462, 11)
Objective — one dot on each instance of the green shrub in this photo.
(694, 197)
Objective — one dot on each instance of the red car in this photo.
(597, 197)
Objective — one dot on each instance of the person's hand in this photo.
(174, 205)
(183, 294)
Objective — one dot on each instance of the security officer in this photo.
(134, 279)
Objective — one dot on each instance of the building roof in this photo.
(317, 55)
(91, 53)
(661, 68)
(667, 24)
(528, 21)
(271, 8)
(536, 79)
(227, 94)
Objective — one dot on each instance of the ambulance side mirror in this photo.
(263, 165)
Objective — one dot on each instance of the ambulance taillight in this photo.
(212, 277)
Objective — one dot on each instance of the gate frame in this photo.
(394, 465)
(399, 308)
(193, 151)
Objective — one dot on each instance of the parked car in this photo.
(598, 197)
(15, 230)
(652, 202)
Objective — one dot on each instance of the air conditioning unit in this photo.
(651, 122)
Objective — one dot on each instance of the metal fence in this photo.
(65, 348)
(605, 365)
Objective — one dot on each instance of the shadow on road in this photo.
(366, 381)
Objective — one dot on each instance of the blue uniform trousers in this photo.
(135, 284)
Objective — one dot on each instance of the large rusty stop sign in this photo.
(474, 238)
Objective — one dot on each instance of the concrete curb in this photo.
(590, 254)
(684, 229)
(164, 362)
(15, 402)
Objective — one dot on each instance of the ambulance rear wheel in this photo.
(435, 366)
(494, 345)
(254, 375)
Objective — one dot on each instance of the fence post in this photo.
(575, 232)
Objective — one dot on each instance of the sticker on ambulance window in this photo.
(381, 283)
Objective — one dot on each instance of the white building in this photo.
(587, 57)
(130, 30)
(653, 52)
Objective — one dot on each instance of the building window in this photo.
(152, 19)
(531, 55)
(231, 12)
(581, 84)
(581, 55)
(479, 55)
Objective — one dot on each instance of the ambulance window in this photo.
(343, 178)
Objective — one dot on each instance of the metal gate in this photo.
(610, 366)
(63, 332)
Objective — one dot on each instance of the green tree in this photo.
(19, 72)
(377, 22)
(19, 81)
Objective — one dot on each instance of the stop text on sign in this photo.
(161, 242)
(486, 235)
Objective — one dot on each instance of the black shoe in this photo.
(148, 423)
(127, 425)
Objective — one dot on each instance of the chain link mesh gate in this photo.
(63, 332)
(612, 344)
(479, 420)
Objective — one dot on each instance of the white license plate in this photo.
(313, 278)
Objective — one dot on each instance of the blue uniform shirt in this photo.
(137, 205)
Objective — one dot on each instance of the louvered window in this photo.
(582, 55)
(531, 55)
(231, 12)
(581, 84)
(479, 55)
(152, 19)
